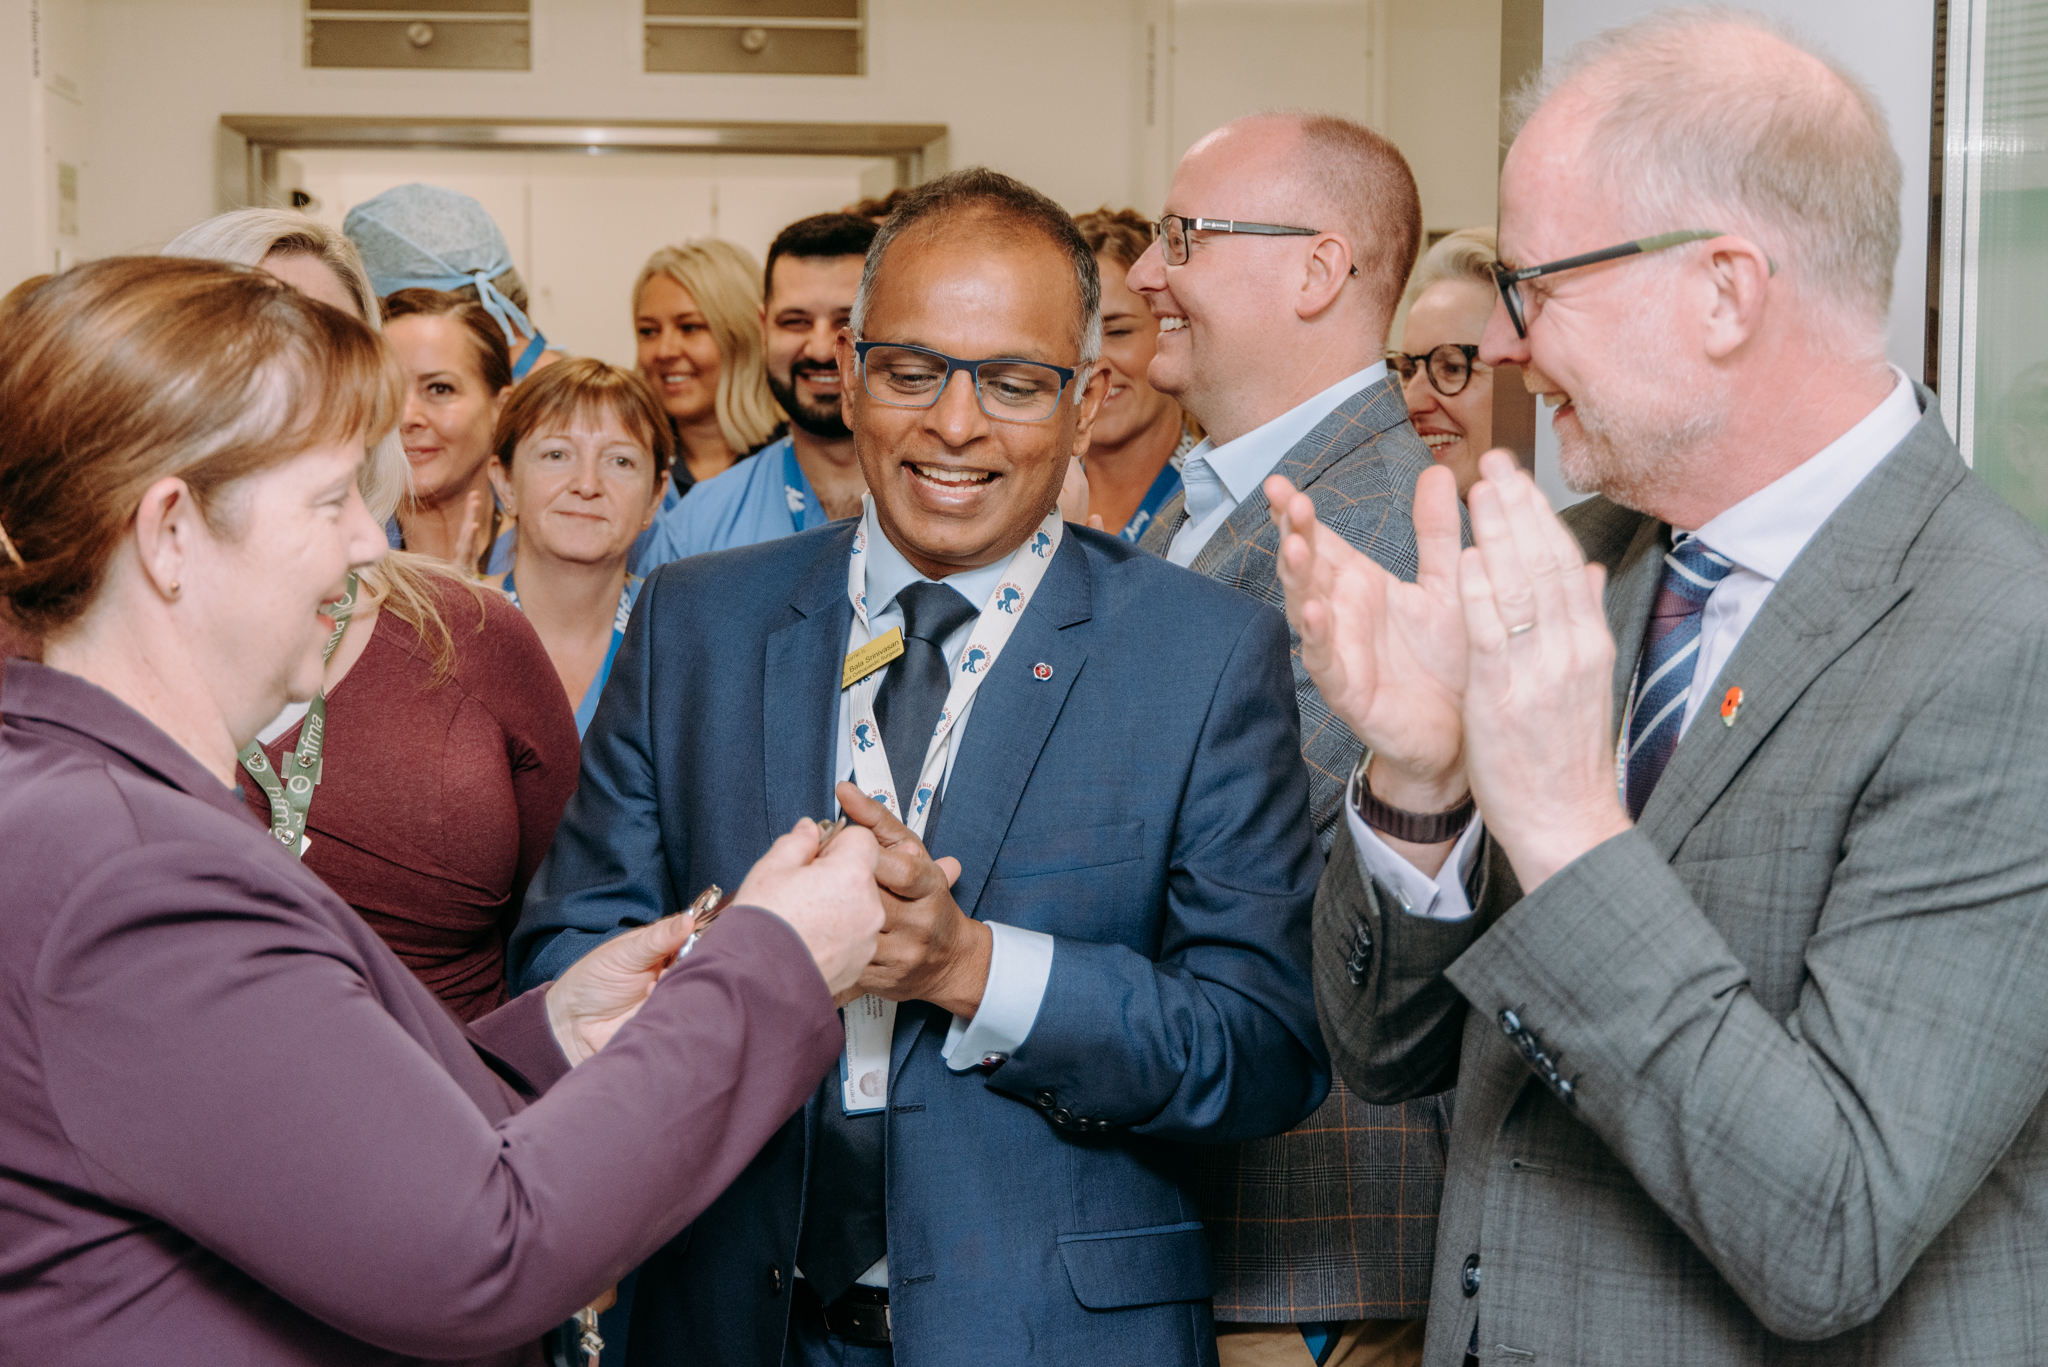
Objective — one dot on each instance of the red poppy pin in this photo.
(1041, 672)
(1731, 703)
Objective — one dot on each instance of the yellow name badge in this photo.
(872, 657)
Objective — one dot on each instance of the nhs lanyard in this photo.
(871, 1020)
(291, 797)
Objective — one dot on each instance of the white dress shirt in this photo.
(1218, 478)
(1020, 961)
(1763, 535)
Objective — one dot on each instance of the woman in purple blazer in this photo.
(233, 1127)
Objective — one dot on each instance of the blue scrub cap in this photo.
(425, 237)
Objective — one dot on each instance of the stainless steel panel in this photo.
(420, 44)
(758, 9)
(761, 51)
(421, 9)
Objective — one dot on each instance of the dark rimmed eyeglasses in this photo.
(1173, 233)
(1509, 279)
(1008, 390)
(1448, 366)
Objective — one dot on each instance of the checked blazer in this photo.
(1761, 1079)
(1336, 1219)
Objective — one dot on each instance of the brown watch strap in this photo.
(1417, 828)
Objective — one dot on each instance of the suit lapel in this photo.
(1353, 423)
(1013, 715)
(800, 691)
(1846, 580)
(1158, 538)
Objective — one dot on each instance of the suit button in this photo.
(1063, 1116)
(774, 1281)
(1510, 1023)
(1045, 1100)
(1469, 1278)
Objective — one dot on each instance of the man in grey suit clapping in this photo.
(1739, 968)
(1286, 244)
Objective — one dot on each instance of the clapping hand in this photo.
(1538, 707)
(929, 949)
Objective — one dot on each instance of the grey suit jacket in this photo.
(1359, 465)
(1761, 1080)
(1334, 1220)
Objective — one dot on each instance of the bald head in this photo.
(1255, 323)
(1340, 177)
(1722, 119)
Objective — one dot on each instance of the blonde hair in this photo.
(400, 582)
(246, 237)
(725, 283)
(1467, 254)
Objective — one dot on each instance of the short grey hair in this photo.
(1699, 125)
(1466, 256)
(1017, 207)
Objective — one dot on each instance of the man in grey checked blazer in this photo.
(1758, 1077)
(1278, 352)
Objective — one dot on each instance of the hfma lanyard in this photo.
(871, 1021)
(291, 796)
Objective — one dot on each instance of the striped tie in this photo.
(1671, 648)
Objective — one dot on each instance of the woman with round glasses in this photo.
(1449, 390)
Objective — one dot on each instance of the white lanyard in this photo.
(871, 1020)
(991, 631)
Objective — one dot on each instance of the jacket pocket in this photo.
(1119, 1268)
(1025, 853)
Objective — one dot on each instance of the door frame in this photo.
(254, 141)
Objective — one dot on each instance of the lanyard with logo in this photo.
(291, 797)
(805, 509)
(871, 1021)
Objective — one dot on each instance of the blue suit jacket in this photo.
(1146, 805)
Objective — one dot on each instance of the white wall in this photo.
(1039, 90)
(1077, 97)
(44, 54)
(1890, 45)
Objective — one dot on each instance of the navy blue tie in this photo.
(913, 693)
(1671, 650)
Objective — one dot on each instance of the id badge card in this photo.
(864, 1065)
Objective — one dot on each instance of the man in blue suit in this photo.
(1110, 954)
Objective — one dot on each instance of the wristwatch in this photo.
(1417, 828)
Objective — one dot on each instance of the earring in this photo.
(173, 590)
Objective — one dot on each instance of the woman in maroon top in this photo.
(235, 1128)
(449, 753)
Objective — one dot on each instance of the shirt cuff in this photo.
(1019, 966)
(1441, 898)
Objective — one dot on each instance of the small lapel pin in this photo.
(1041, 671)
(1731, 703)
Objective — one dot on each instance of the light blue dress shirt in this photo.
(1218, 478)
(1020, 961)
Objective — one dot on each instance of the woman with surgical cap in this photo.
(425, 237)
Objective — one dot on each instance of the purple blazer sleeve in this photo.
(221, 1059)
(518, 1033)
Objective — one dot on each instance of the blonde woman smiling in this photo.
(579, 458)
(697, 314)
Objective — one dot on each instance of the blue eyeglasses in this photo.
(1008, 390)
